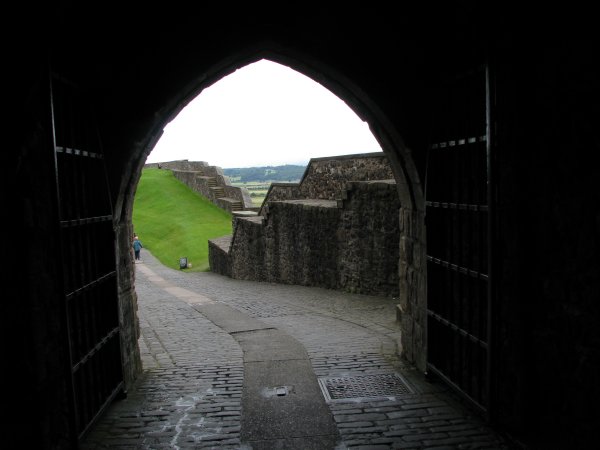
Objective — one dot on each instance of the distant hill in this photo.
(285, 173)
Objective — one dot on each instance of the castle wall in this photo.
(369, 239)
(350, 244)
(248, 246)
(282, 191)
(183, 164)
(210, 182)
(325, 178)
(218, 255)
(300, 243)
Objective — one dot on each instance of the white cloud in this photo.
(263, 114)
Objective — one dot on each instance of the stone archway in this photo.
(412, 268)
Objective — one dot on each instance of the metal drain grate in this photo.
(364, 387)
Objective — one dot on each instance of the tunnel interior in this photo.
(533, 115)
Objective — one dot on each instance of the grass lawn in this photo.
(172, 221)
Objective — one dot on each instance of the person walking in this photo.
(137, 247)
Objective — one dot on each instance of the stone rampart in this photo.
(301, 245)
(283, 191)
(219, 249)
(325, 178)
(182, 164)
(240, 194)
(369, 238)
(348, 240)
(210, 182)
(248, 246)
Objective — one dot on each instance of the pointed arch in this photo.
(412, 267)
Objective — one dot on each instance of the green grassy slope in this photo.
(172, 221)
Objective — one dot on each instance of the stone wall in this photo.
(182, 164)
(350, 244)
(219, 250)
(248, 246)
(283, 191)
(325, 178)
(301, 244)
(210, 182)
(369, 238)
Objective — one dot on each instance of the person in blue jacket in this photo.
(137, 247)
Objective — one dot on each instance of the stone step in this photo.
(218, 191)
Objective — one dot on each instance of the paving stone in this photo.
(190, 394)
(405, 414)
(354, 424)
(359, 417)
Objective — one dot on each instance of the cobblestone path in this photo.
(190, 394)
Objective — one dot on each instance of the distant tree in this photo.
(288, 172)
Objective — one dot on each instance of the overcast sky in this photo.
(263, 114)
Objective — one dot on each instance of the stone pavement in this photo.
(248, 365)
